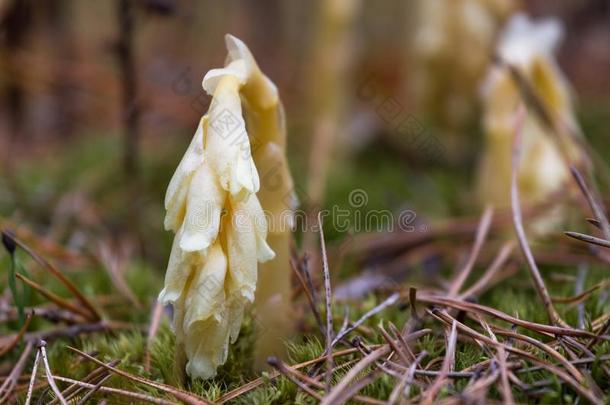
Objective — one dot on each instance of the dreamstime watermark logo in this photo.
(232, 128)
(222, 122)
(353, 218)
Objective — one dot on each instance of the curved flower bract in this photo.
(213, 208)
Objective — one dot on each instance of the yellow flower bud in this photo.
(219, 224)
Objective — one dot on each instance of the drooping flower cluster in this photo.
(213, 209)
(528, 47)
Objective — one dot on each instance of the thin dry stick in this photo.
(481, 235)
(518, 223)
(128, 394)
(47, 369)
(448, 362)
(28, 397)
(329, 314)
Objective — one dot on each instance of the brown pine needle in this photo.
(576, 299)
(185, 396)
(484, 281)
(28, 397)
(482, 309)
(518, 223)
(7, 387)
(328, 300)
(338, 389)
(47, 369)
(289, 373)
(481, 235)
(75, 389)
(547, 349)
(51, 296)
(261, 380)
(391, 300)
(448, 363)
(117, 391)
(593, 202)
(567, 378)
(588, 238)
(9, 346)
(93, 390)
(157, 314)
(308, 294)
(402, 388)
(59, 275)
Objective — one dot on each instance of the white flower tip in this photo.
(523, 39)
(168, 297)
(239, 50)
(213, 77)
(264, 252)
(194, 242)
(239, 64)
(201, 367)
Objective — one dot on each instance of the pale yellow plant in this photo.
(450, 48)
(528, 47)
(221, 228)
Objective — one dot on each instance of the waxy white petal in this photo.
(203, 211)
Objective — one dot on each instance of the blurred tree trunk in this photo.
(15, 25)
(130, 110)
(331, 57)
(57, 16)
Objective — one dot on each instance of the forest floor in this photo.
(426, 333)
